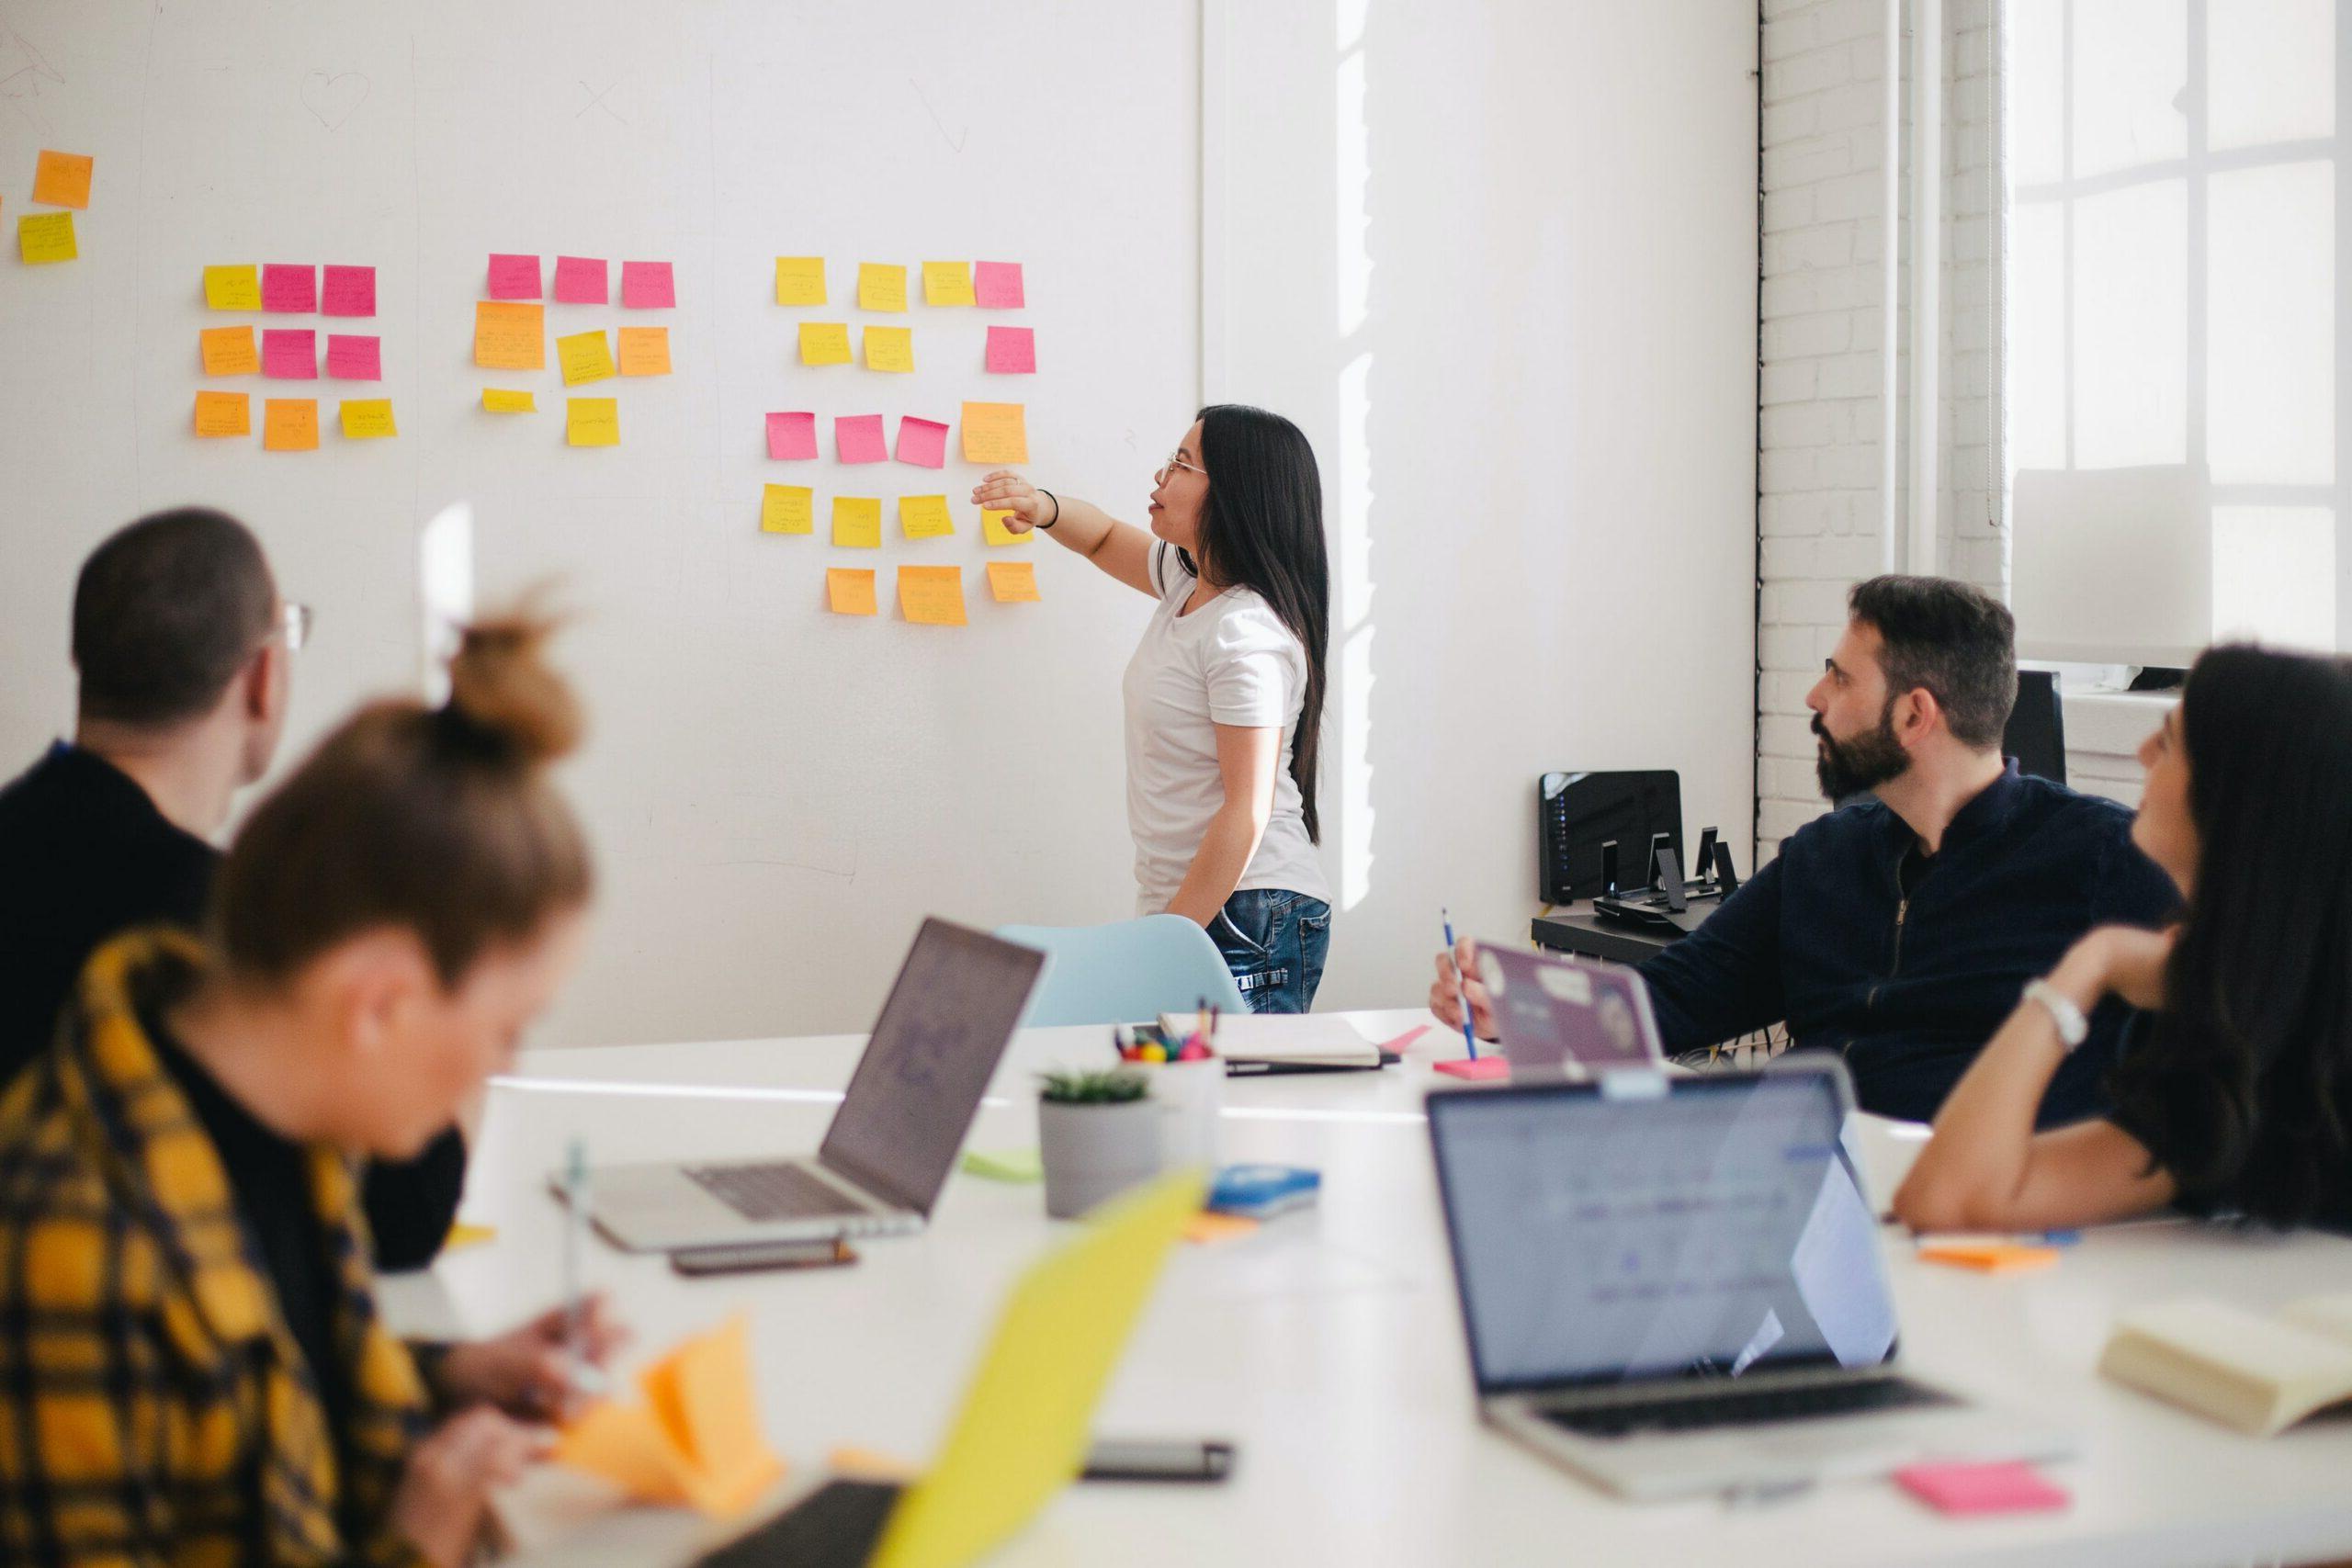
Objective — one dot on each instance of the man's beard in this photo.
(1866, 761)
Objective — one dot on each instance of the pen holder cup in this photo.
(1094, 1152)
(1190, 1097)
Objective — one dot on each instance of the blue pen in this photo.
(1461, 982)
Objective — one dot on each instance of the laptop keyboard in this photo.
(1734, 1406)
(834, 1527)
(771, 1191)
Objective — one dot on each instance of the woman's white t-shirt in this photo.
(1230, 662)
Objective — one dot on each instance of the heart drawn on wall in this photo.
(334, 99)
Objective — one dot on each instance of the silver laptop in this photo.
(1673, 1286)
(958, 999)
(1565, 1015)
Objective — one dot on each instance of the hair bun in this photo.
(502, 689)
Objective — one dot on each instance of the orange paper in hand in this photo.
(695, 1441)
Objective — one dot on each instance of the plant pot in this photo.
(1092, 1152)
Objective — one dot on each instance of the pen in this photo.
(1460, 983)
(576, 1301)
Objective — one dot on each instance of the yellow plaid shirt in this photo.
(154, 1408)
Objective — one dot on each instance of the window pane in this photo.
(2270, 71)
(2270, 347)
(2130, 337)
(2037, 133)
(2037, 329)
(2131, 66)
(2274, 574)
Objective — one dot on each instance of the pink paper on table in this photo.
(997, 285)
(1012, 351)
(648, 286)
(792, 436)
(514, 277)
(353, 358)
(580, 281)
(2006, 1488)
(858, 438)
(350, 291)
(290, 288)
(290, 353)
(923, 442)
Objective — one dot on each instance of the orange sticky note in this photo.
(1014, 581)
(857, 522)
(232, 287)
(61, 179)
(881, 287)
(849, 591)
(696, 1438)
(1990, 1256)
(645, 351)
(993, 531)
(289, 424)
(824, 342)
(947, 283)
(788, 509)
(932, 596)
(509, 336)
(924, 516)
(800, 280)
(43, 237)
(1201, 1228)
(995, 432)
(367, 419)
(592, 421)
(229, 351)
(223, 413)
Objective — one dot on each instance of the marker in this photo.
(1460, 983)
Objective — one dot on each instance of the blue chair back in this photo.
(1128, 972)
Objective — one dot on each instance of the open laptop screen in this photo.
(1702, 1226)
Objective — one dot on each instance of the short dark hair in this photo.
(1956, 640)
(166, 613)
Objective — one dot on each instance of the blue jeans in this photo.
(1275, 943)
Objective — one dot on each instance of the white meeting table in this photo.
(1327, 1345)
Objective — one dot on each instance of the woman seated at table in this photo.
(2234, 1096)
(194, 1370)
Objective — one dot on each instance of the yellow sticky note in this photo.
(228, 351)
(585, 356)
(800, 280)
(593, 422)
(645, 351)
(46, 237)
(857, 522)
(881, 287)
(947, 283)
(289, 424)
(924, 516)
(1014, 581)
(464, 1235)
(61, 179)
(995, 432)
(510, 336)
(223, 413)
(232, 287)
(788, 509)
(500, 399)
(890, 348)
(932, 596)
(367, 419)
(849, 591)
(993, 530)
(824, 342)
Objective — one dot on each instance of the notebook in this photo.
(2257, 1373)
(1302, 1040)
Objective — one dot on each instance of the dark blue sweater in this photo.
(1908, 991)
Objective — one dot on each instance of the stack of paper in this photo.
(696, 1438)
(1288, 1039)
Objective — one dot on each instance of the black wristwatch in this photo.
(1049, 495)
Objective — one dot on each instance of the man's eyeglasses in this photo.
(296, 625)
(1175, 461)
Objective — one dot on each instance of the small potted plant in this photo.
(1098, 1134)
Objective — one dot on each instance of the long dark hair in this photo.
(2248, 1072)
(1261, 528)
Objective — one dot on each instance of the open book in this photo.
(2258, 1374)
(1304, 1040)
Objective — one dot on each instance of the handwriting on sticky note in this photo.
(923, 442)
(824, 342)
(995, 432)
(858, 438)
(924, 516)
(504, 400)
(223, 413)
(932, 596)
(1014, 581)
(890, 348)
(232, 287)
(289, 424)
(62, 179)
(290, 290)
(881, 287)
(946, 283)
(355, 356)
(581, 280)
(367, 419)
(290, 353)
(994, 532)
(1012, 351)
(228, 351)
(792, 436)
(849, 591)
(645, 351)
(45, 237)
(348, 291)
(788, 509)
(585, 356)
(514, 277)
(509, 336)
(696, 1438)
(800, 280)
(857, 522)
(997, 285)
(648, 286)
(592, 421)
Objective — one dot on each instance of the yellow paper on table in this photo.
(509, 336)
(788, 509)
(61, 179)
(592, 421)
(995, 432)
(44, 237)
(925, 516)
(223, 413)
(465, 1234)
(890, 348)
(645, 351)
(824, 342)
(228, 351)
(367, 419)
(232, 287)
(993, 530)
(585, 356)
(695, 1439)
(500, 399)
(932, 596)
(849, 591)
(881, 287)
(800, 280)
(857, 522)
(1014, 581)
(289, 424)
(947, 283)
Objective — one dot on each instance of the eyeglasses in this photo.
(296, 625)
(1175, 461)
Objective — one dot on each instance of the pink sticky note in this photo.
(350, 291)
(648, 286)
(285, 288)
(1396, 1047)
(354, 359)
(923, 442)
(291, 353)
(792, 436)
(858, 438)
(997, 285)
(1483, 1069)
(580, 281)
(1012, 351)
(514, 278)
(2008, 1488)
